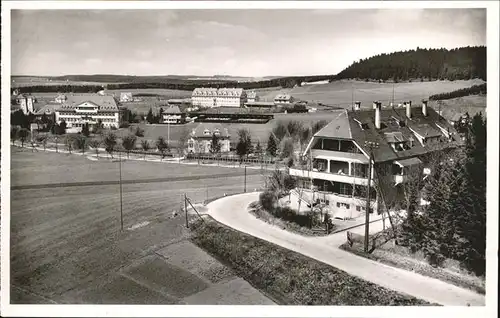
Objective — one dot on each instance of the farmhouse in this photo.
(201, 137)
(60, 98)
(173, 115)
(283, 99)
(126, 97)
(91, 109)
(252, 97)
(339, 153)
(222, 97)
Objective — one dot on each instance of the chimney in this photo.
(424, 107)
(357, 105)
(377, 106)
(408, 109)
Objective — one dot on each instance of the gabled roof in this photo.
(338, 127)
(172, 110)
(359, 126)
(251, 94)
(105, 102)
(198, 132)
(47, 108)
(283, 96)
(390, 119)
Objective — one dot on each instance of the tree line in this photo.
(432, 64)
(473, 90)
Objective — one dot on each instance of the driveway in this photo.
(233, 212)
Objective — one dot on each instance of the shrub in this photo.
(125, 124)
(267, 200)
(139, 132)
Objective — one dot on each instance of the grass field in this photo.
(340, 93)
(289, 277)
(66, 244)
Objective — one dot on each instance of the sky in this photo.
(228, 42)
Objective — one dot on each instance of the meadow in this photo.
(340, 93)
(66, 241)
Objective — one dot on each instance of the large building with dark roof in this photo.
(80, 109)
(402, 137)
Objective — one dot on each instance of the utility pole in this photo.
(121, 200)
(370, 145)
(245, 186)
(186, 210)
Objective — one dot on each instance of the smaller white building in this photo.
(283, 99)
(126, 97)
(252, 97)
(61, 98)
(201, 138)
(173, 115)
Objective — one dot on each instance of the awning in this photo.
(409, 162)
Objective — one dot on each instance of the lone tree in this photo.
(215, 145)
(272, 147)
(244, 146)
(162, 146)
(95, 143)
(23, 135)
(62, 128)
(110, 143)
(69, 143)
(182, 142)
(86, 130)
(145, 146)
(43, 140)
(139, 132)
(150, 117)
(14, 131)
(128, 143)
(80, 142)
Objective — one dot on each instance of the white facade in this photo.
(89, 109)
(126, 97)
(222, 97)
(27, 104)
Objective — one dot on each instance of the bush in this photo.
(114, 128)
(139, 132)
(267, 200)
(125, 124)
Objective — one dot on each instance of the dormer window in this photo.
(216, 132)
(206, 132)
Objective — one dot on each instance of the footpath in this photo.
(233, 212)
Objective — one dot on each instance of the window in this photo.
(206, 132)
(319, 164)
(360, 208)
(343, 205)
(345, 189)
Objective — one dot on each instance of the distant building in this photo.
(81, 109)
(201, 138)
(61, 98)
(173, 115)
(222, 97)
(283, 99)
(26, 102)
(252, 97)
(126, 97)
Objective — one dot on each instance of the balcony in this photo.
(325, 175)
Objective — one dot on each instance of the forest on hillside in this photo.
(420, 64)
(431, 64)
(473, 90)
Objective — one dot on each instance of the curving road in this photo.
(233, 212)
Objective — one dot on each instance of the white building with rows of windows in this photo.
(398, 139)
(80, 109)
(222, 97)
